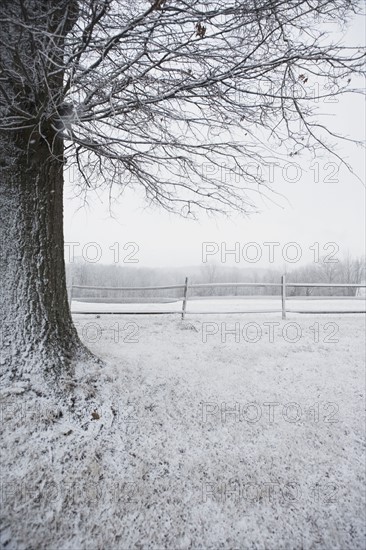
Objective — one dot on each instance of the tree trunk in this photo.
(37, 333)
(37, 329)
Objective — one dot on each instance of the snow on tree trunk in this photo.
(37, 329)
(37, 333)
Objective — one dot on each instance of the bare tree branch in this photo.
(163, 93)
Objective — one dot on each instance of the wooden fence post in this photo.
(283, 295)
(185, 297)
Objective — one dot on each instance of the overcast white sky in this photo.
(330, 210)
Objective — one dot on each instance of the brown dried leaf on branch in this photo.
(200, 30)
(157, 4)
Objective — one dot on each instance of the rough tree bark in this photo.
(35, 317)
(37, 333)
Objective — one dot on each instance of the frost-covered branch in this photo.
(161, 92)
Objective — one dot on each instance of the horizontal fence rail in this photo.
(128, 287)
(186, 287)
(222, 285)
(324, 285)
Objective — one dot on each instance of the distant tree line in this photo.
(349, 270)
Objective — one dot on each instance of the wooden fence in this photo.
(186, 287)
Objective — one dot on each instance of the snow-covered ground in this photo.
(201, 438)
(230, 304)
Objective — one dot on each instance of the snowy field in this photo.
(236, 444)
(203, 439)
(230, 304)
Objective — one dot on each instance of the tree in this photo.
(209, 275)
(164, 94)
(352, 271)
(328, 272)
